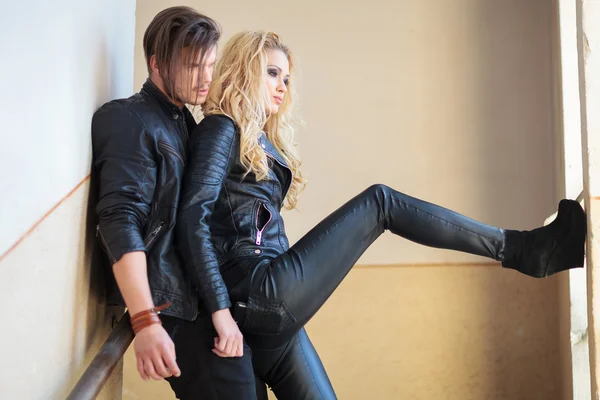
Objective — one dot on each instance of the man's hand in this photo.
(155, 353)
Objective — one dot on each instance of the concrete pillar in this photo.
(570, 149)
(588, 24)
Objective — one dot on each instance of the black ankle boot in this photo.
(553, 248)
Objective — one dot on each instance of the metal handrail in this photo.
(97, 373)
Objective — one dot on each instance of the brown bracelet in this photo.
(145, 318)
(139, 325)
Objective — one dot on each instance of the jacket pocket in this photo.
(104, 245)
(263, 317)
(263, 218)
(170, 149)
(151, 238)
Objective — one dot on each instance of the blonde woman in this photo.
(243, 168)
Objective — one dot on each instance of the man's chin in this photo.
(198, 101)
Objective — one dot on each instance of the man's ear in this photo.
(154, 65)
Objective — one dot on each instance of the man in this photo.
(139, 146)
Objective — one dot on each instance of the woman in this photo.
(243, 168)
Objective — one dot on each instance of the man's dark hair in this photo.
(173, 30)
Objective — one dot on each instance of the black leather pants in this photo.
(292, 370)
(284, 293)
(204, 375)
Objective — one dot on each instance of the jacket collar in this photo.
(150, 89)
(271, 150)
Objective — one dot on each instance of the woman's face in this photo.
(278, 76)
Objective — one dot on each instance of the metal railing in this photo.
(97, 373)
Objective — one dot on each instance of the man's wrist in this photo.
(145, 318)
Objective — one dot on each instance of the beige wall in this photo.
(448, 101)
(61, 60)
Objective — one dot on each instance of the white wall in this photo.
(573, 177)
(60, 61)
(588, 43)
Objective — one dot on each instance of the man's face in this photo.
(194, 79)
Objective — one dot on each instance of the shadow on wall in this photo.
(95, 270)
(513, 47)
(101, 278)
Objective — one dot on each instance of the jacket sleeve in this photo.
(126, 175)
(211, 155)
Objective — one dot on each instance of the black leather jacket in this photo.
(139, 147)
(224, 212)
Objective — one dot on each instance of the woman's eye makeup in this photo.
(274, 72)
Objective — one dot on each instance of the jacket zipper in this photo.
(100, 236)
(149, 239)
(171, 150)
(259, 232)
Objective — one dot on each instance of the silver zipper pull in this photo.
(258, 238)
(158, 228)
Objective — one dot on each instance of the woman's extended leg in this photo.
(287, 291)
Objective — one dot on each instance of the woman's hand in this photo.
(230, 342)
